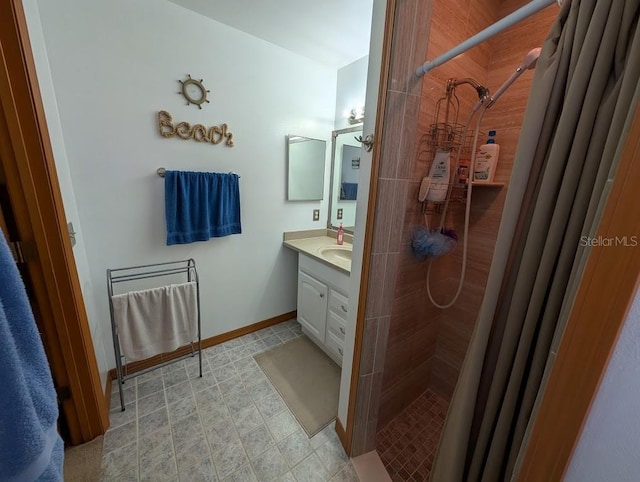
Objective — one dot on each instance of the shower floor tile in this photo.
(407, 444)
(227, 426)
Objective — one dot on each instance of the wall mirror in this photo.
(345, 173)
(306, 162)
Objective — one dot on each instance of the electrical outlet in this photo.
(316, 215)
(340, 213)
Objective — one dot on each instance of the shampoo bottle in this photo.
(439, 175)
(486, 160)
(340, 234)
(462, 175)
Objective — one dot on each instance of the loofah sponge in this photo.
(432, 243)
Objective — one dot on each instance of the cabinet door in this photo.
(312, 305)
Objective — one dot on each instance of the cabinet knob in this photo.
(340, 350)
(343, 308)
(342, 331)
(321, 295)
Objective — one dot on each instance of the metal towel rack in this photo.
(156, 270)
(162, 170)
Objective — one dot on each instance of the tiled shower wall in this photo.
(393, 277)
(415, 322)
(504, 53)
(425, 346)
(398, 314)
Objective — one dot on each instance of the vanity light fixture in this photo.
(357, 115)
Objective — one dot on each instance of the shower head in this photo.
(531, 59)
(480, 89)
(529, 63)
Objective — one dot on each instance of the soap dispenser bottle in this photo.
(340, 236)
(439, 176)
(486, 160)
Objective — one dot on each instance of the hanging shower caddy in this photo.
(446, 133)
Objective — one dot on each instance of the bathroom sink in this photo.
(336, 253)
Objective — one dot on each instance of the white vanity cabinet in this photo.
(323, 305)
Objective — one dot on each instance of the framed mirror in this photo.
(345, 174)
(306, 163)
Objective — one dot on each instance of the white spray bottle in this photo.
(486, 160)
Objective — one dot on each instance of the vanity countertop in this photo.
(316, 243)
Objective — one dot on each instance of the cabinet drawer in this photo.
(335, 345)
(339, 304)
(336, 325)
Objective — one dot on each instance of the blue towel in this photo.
(201, 205)
(30, 447)
(349, 191)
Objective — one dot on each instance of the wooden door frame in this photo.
(32, 182)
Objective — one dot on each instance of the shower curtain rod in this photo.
(529, 9)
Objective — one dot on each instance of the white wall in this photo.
(114, 65)
(64, 177)
(352, 85)
(609, 447)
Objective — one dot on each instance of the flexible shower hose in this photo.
(467, 214)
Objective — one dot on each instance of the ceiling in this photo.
(331, 32)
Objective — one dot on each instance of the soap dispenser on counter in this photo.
(340, 236)
(486, 160)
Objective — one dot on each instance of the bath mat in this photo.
(307, 379)
(83, 462)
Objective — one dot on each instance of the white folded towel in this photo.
(157, 320)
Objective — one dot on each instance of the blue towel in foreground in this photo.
(201, 205)
(30, 447)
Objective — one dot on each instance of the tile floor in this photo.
(407, 445)
(229, 425)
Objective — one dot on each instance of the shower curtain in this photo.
(584, 92)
